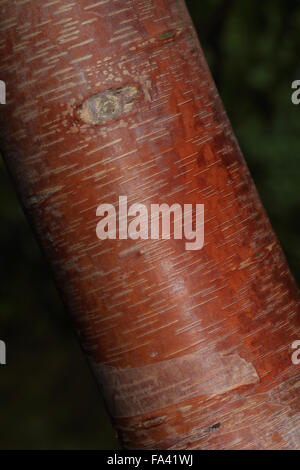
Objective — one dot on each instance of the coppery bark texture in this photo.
(191, 349)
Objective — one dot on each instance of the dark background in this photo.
(48, 398)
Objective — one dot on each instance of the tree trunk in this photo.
(191, 349)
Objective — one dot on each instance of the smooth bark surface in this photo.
(191, 349)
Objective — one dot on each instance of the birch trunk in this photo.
(191, 349)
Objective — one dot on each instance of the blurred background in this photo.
(48, 399)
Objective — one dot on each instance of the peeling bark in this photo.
(191, 349)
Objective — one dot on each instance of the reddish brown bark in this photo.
(192, 349)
